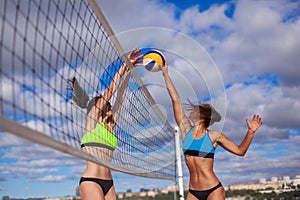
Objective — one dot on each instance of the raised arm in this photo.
(120, 96)
(180, 117)
(241, 149)
(134, 59)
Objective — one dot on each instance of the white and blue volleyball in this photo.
(152, 59)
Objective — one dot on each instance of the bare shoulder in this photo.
(214, 135)
(214, 132)
(185, 126)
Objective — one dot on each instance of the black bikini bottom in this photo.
(104, 184)
(203, 194)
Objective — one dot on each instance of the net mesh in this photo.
(46, 43)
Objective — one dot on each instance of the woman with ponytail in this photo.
(200, 142)
(99, 138)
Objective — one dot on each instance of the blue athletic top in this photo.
(202, 147)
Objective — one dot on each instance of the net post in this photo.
(179, 163)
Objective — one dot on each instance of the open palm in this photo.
(255, 123)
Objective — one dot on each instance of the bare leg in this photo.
(191, 197)
(91, 191)
(111, 194)
(217, 194)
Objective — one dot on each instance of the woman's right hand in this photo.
(164, 68)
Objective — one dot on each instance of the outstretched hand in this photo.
(164, 68)
(134, 59)
(255, 123)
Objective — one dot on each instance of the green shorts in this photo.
(100, 137)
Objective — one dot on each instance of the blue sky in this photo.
(253, 59)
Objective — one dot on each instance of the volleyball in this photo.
(152, 59)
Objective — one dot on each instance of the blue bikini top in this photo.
(202, 147)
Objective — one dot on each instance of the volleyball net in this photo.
(44, 45)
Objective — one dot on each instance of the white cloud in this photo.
(33, 160)
(25, 150)
(123, 15)
(256, 164)
(51, 178)
(136, 183)
(47, 163)
(192, 21)
(261, 42)
(277, 109)
(10, 140)
(18, 171)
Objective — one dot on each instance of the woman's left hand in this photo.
(134, 59)
(254, 124)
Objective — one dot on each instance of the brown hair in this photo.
(80, 97)
(203, 111)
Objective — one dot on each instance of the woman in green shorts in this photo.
(99, 139)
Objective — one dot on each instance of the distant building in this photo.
(143, 193)
(296, 180)
(64, 198)
(275, 183)
(264, 186)
(121, 195)
(255, 186)
(129, 194)
(263, 180)
(274, 179)
(152, 193)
